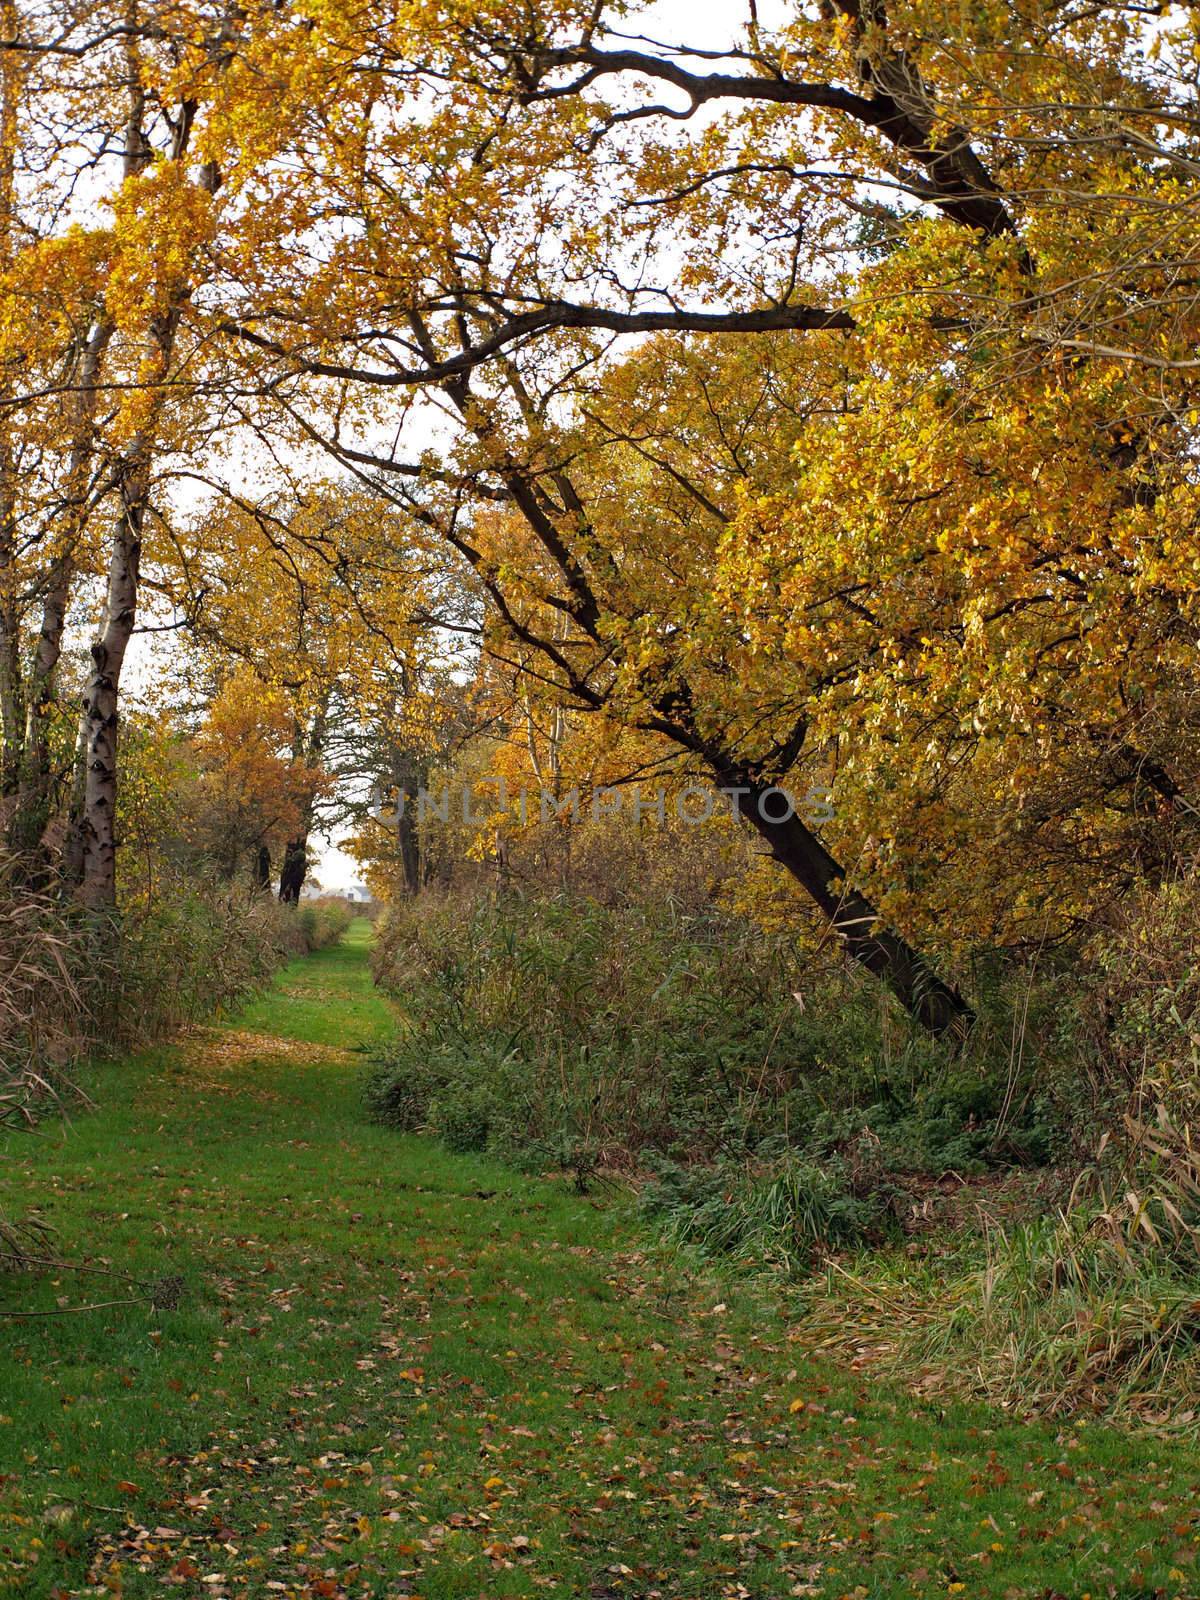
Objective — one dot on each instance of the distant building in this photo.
(358, 893)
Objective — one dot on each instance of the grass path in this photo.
(397, 1372)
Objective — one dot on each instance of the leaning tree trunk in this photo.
(936, 1005)
(857, 925)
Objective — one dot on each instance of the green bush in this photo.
(462, 1114)
(322, 922)
(613, 1029)
(604, 1033)
(781, 1215)
(188, 955)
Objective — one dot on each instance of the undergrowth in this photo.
(568, 1032)
(948, 1207)
(75, 984)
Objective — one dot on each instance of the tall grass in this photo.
(591, 1033)
(72, 983)
(50, 998)
(1095, 1307)
(320, 923)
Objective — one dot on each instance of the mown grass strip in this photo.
(396, 1371)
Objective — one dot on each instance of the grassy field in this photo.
(396, 1372)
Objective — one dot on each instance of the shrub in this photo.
(462, 1114)
(193, 952)
(609, 1028)
(604, 1033)
(1092, 1307)
(781, 1216)
(399, 1094)
(323, 922)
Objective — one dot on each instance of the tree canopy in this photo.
(806, 399)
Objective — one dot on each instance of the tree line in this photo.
(812, 404)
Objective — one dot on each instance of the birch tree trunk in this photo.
(36, 778)
(99, 720)
(10, 621)
(100, 698)
(11, 694)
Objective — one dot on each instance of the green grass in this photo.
(396, 1372)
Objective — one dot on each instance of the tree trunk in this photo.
(100, 698)
(36, 797)
(409, 838)
(100, 701)
(262, 868)
(306, 748)
(408, 775)
(12, 74)
(294, 870)
(34, 804)
(10, 656)
(931, 1002)
(35, 789)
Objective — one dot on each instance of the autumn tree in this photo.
(963, 251)
(252, 789)
(116, 173)
(340, 609)
(902, 200)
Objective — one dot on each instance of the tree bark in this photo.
(11, 692)
(408, 776)
(100, 699)
(262, 867)
(11, 689)
(36, 778)
(306, 748)
(936, 1005)
(408, 835)
(294, 870)
(35, 797)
